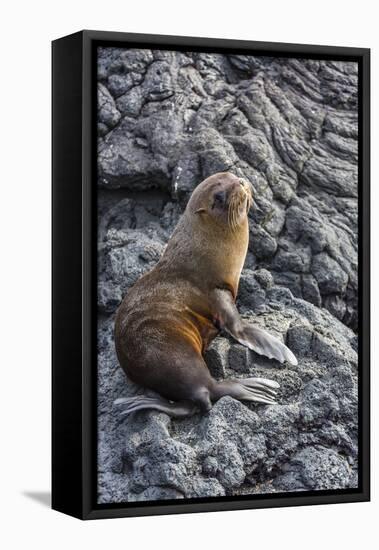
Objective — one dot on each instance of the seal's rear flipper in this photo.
(141, 402)
(259, 390)
(226, 316)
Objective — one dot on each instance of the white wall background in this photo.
(26, 31)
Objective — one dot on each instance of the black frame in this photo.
(74, 436)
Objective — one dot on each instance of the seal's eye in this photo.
(219, 198)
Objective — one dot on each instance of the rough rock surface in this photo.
(166, 120)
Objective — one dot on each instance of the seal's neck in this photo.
(213, 253)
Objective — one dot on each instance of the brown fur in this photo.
(167, 319)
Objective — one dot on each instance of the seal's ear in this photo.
(200, 210)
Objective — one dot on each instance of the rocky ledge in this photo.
(166, 121)
(307, 441)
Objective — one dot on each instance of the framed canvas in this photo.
(210, 275)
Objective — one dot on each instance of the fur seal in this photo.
(169, 317)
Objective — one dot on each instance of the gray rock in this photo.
(231, 434)
(240, 448)
(156, 493)
(108, 296)
(297, 261)
(216, 357)
(166, 120)
(280, 296)
(336, 305)
(264, 278)
(261, 243)
(291, 283)
(239, 358)
(250, 293)
(164, 463)
(108, 115)
(311, 292)
(281, 426)
(328, 274)
(315, 468)
(225, 463)
(299, 339)
(130, 103)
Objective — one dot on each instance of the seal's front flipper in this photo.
(179, 409)
(263, 343)
(226, 316)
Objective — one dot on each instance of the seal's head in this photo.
(223, 199)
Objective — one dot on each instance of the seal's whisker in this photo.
(236, 208)
(233, 202)
(229, 215)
